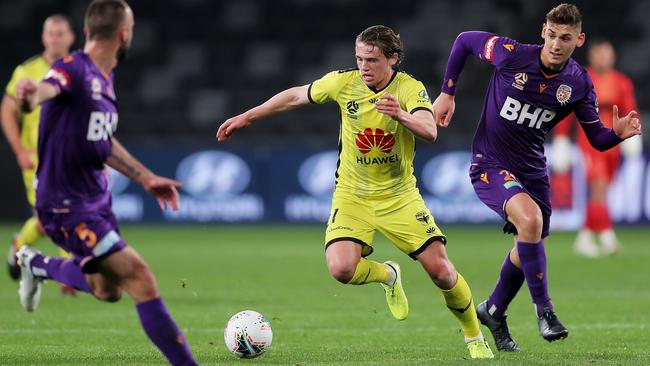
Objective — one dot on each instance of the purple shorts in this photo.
(494, 186)
(87, 236)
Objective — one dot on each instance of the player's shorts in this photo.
(600, 165)
(28, 180)
(495, 186)
(87, 236)
(404, 220)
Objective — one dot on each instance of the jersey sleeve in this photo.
(327, 88)
(63, 74)
(19, 73)
(586, 109)
(488, 47)
(415, 97)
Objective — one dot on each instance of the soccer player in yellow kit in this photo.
(382, 110)
(57, 38)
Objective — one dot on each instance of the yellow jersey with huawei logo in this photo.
(375, 151)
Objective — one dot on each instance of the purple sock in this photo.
(164, 333)
(533, 263)
(510, 280)
(61, 270)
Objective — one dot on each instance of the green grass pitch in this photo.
(207, 273)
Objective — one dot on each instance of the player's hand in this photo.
(164, 189)
(389, 105)
(25, 160)
(228, 128)
(443, 109)
(25, 94)
(627, 126)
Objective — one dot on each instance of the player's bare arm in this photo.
(443, 109)
(628, 126)
(29, 94)
(284, 101)
(10, 126)
(421, 122)
(163, 189)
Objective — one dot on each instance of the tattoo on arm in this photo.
(130, 170)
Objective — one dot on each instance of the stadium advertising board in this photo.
(297, 186)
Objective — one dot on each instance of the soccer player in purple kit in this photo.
(532, 88)
(78, 118)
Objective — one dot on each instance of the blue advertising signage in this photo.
(284, 185)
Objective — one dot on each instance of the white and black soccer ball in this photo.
(248, 334)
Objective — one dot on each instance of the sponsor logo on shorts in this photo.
(423, 217)
(484, 178)
(511, 184)
(431, 230)
(368, 139)
(335, 228)
(509, 46)
(106, 243)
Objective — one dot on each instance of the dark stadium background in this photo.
(195, 62)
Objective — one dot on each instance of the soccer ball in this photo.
(248, 334)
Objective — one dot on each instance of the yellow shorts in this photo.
(404, 220)
(28, 180)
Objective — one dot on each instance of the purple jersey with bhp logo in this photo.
(523, 103)
(75, 137)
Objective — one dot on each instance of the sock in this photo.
(368, 271)
(64, 254)
(164, 333)
(61, 270)
(29, 233)
(598, 218)
(510, 280)
(459, 301)
(533, 264)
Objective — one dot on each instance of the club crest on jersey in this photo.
(563, 94)
(96, 89)
(520, 80)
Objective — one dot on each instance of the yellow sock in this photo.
(369, 271)
(459, 301)
(65, 254)
(29, 233)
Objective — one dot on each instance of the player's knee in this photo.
(531, 223)
(443, 274)
(342, 272)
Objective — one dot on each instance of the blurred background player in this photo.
(613, 88)
(533, 87)
(73, 200)
(21, 129)
(382, 111)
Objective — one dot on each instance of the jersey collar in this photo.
(375, 90)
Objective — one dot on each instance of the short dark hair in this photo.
(104, 17)
(385, 39)
(58, 18)
(567, 14)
